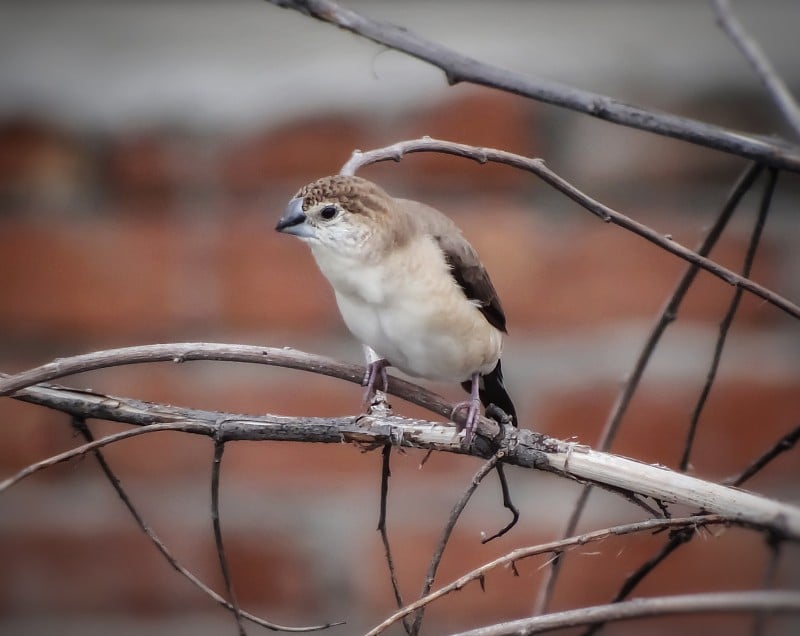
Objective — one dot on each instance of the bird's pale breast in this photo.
(409, 309)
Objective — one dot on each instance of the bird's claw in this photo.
(473, 407)
(374, 369)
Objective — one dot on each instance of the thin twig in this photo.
(90, 446)
(507, 504)
(756, 57)
(667, 315)
(455, 513)
(387, 550)
(727, 320)
(396, 151)
(219, 449)
(715, 602)
(519, 554)
(80, 425)
(461, 68)
(784, 444)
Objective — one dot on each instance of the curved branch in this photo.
(758, 601)
(397, 151)
(188, 427)
(510, 559)
(461, 68)
(285, 357)
(522, 447)
(80, 425)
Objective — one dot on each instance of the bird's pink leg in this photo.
(473, 406)
(374, 369)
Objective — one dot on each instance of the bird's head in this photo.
(339, 213)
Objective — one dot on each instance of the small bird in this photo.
(408, 285)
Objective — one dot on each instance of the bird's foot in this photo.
(473, 406)
(375, 369)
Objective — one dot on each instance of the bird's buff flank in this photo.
(408, 285)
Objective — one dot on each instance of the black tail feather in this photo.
(492, 391)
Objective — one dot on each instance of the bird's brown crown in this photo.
(354, 194)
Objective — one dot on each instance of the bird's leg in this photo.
(473, 406)
(375, 368)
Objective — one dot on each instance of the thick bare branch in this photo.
(461, 68)
(522, 448)
(397, 151)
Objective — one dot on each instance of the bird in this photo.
(408, 285)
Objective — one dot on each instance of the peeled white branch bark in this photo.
(521, 447)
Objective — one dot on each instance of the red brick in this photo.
(477, 117)
(557, 275)
(270, 280)
(50, 570)
(40, 164)
(147, 171)
(129, 279)
(86, 277)
(296, 152)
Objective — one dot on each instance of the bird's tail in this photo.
(492, 391)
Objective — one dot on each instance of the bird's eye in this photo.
(328, 212)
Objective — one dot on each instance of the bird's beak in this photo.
(293, 220)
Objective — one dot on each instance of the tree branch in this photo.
(752, 52)
(521, 447)
(397, 151)
(80, 425)
(519, 554)
(461, 68)
(778, 602)
(668, 314)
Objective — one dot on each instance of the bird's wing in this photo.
(465, 266)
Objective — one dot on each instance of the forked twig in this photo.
(80, 425)
(727, 320)
(455, 513)
(667, 315)
(519, 554)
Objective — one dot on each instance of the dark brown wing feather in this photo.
(472, 277)
(465, 266)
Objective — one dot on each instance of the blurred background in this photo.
(146, 152)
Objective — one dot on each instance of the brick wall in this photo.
(160, 235)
